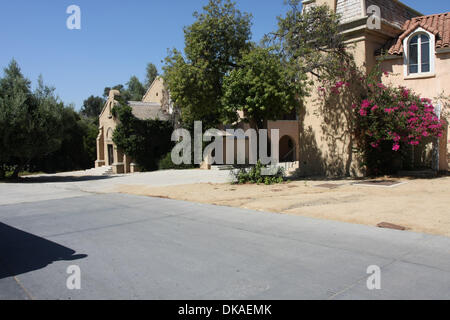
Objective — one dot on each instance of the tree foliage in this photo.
(30, 121)
(135, 89)
(254, 174)
(145, 141)
(391, 120)
(311, 40)
(151, 74)
(119, 87)
(92, 107)
(15, 99)
(222, 72)
(387, 121)
(261, 87)
(36, 127)
(214, 44)
(78, 149)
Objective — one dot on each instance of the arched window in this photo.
(419, 54)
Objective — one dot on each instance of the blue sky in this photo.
(118, 38)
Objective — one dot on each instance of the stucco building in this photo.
(319, 142)
(155, 104)
(326, 144)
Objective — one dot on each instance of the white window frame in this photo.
(406, 42)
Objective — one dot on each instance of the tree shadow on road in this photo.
(22, 252)
(55, 179)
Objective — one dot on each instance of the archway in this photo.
(287, 149)
(109, 134)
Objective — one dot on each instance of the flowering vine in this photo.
(386, 119)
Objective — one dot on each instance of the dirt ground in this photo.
(421, 205)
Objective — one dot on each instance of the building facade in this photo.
(326, 143)
(154, 105)
(319, 142)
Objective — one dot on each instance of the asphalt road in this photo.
(130, 247)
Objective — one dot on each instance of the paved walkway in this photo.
(131, 247)
(64, 185)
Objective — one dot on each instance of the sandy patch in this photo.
(421, 205)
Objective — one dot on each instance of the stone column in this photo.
(100, 149)
(118, 165)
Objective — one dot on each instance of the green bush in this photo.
(166, 164)
(253, 175)
(145, 141)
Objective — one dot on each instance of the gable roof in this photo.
(148, 110)
(437, 24)
(157, 79)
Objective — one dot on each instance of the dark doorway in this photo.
(287, 149)
(110, 154)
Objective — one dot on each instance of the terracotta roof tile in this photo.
(437, 24)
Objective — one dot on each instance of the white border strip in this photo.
(378, 186)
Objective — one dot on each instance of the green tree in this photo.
(78, 146)
(136, 89)
(15, 98)
(146, 141)
(31, 122)
(311, 40)
(261, 87)
(151, 74)
(92, 107)
(106, 91)
(214, 44)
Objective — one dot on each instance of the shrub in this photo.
(145, 141)
(166, 164)
(392, 120)
(253, 175)
(386, 121)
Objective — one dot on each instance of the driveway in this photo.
(131, 247)
(74, 184)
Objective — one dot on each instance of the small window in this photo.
(419, 54)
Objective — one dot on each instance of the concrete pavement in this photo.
(74, 184)
(130, 247)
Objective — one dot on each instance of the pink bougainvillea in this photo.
(387, 119)
(399, 116)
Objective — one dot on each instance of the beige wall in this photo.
(156, 92)
(290, 128)
(394, 11)
(326, 145)
(429, 87)
(350, 10)
(107, 125)
(329, 3)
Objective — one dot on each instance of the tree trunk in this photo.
(2, 173)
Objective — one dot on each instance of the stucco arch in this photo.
(287, 149)
(109, 134)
